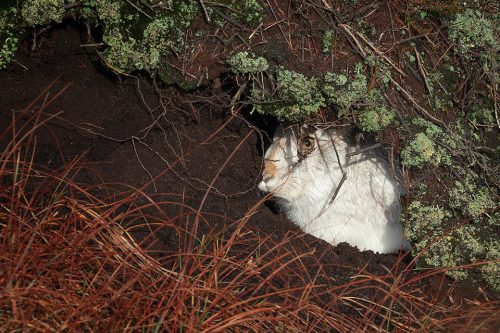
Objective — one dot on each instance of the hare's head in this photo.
(332, 191)
(303, 161)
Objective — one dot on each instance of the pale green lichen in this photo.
(424, 149)
(376, 118)
(422, 220)
(138, 43)
(375, 115)
(439, 83)
(165, 34)
(109, 11)
(251, 11)
(424, 224)
(123, 53)
(170, 75)
(421, 150)
(470, 197)
(491, 271)
(461, 246)
(41, 12)
(248, 11)
(9, 39)
(136, 36)
(343, 93)
(296, 97)
(465, 231)
(295, 86)
(245, 62)
(471, 30)
(482, 115)
(410, 57)
(327, 42)
(442, 243)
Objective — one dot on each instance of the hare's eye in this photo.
(307, 145)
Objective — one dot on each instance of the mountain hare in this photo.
(356, 201)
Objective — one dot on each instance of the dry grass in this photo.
(70, 263)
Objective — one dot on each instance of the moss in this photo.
(245, 62)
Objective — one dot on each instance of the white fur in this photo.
(366, 210)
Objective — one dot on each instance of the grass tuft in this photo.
(73, 261)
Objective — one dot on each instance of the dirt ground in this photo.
(129, 136)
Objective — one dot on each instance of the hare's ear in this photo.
(290, 130)
(281, 128)
(330, 115)
(289, 126)
(306, 130)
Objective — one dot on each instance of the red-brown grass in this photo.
(70, 262)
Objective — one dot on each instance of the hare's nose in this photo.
(263, 186)
(269, 171)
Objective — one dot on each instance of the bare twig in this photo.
(139, 9)
(347, 29)
(381, 54)
(426, 35)
(417, 106)
(422, 71)
(362, 150)
(72, 5)
(92, 45)
(278, 22)
(228, 19)
(344, 174)
(205, 13)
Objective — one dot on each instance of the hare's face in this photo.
(279, 158)
(298, 161)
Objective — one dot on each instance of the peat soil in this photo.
(125, 134)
